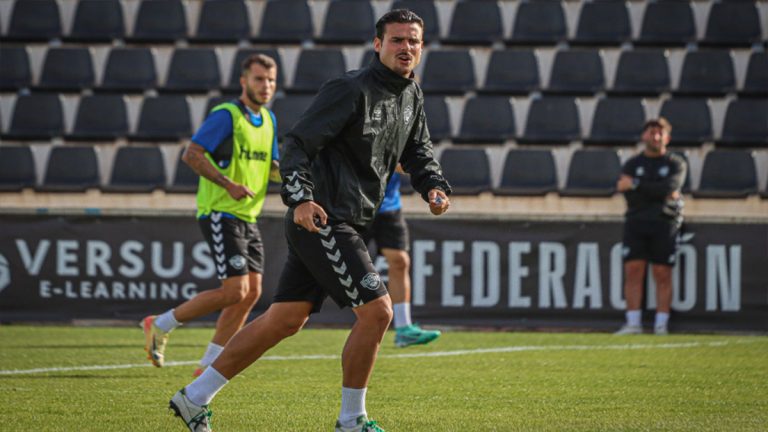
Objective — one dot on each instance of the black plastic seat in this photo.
(97, 21)
(528, 172)
(17, 168)
(577, 72)
(727, 174)
(67, 69)
(36, 117)
(286, 21)
(475, 23)
(438, 117)
(159, 22)
(15, 72)
(427, 11)
(642, 72)
(603, 23)
(468, 170)
(233, 86)
(552, 120)
(668, 23)
(436, 78)
(348, 22)
(316, 66)
(487, 119)
(288, 110)
(193, 70)
(71, 169)
(539, 23)
(163, 118)
(733, 24)
(756, 81)
(34, 21)
(746, 123)
(137, 169)
(707, 73)
(592, 173)
(129, 70)
(100, 117)
(215, 101)
(512, 72)
(686, 189)
(223, 21)
(185, 180)
(617, 121)
(691, 120)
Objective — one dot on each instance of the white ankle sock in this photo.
(166, 321)
(210, 355)
(352, 405)
(204, 388)
(402, 314)
(662, 318)
(633, 318)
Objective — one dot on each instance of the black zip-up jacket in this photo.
(654, 179)
(345, 146)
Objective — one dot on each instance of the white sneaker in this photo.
(627, 329)
(196, 417)
(661, 330)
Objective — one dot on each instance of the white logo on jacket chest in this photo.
(664, 171)
(408, 114)
(639, 171)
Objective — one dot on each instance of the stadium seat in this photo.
(17, 168)
(100, 117)
(316, 66)
(746, 123)
(163, 118)
(727, 174)
(36, 117)
(756, 81)
(603, 23)
(215, 101)
(348, 22)
(539, 23)
(288, 110)
(528, 172)
(468, 170)
(438, 118)
(733, 24)
(487, 119)
(577, 71)
(129, 70)
(512, 72)
(159, 22)
(642, 72)
(223, 21)
(34, 21)
(691, 120)
(668, 23)
(185, 180)
(233, 85)
(475, 23)
(707, 73)
(137, 169)
(592, 173)
(686, 189)
(286, 21)
(97, 21)
(427, 11)
(552, 120)
(617, 121)
(67, 69)
(193, 70)
(71, 169)
(461, 79)
(15, 72)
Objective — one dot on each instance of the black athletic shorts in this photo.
(235, 245)
(654, 241)
(333, 262)
(389, 231)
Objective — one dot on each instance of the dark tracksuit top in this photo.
(654, 179)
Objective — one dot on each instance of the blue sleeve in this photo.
(216, 128)
(275, 148)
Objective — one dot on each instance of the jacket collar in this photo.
(388, 78)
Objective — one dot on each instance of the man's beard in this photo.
(252, 97)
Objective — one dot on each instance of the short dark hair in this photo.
(403, 16)
(264, 60)
(658, 122)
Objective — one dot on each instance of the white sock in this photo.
(210, 355)
(204, 388)
(662, 318)
(352, 405)
(166, 321)
(402, 314)
(633, 318)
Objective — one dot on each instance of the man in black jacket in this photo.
(335, 166)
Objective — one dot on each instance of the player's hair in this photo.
(658, 122)
(261, 59)
(403, 16)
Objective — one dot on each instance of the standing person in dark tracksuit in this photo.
(651, 182)
(335, 165)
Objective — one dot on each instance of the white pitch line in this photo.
(509, 349)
